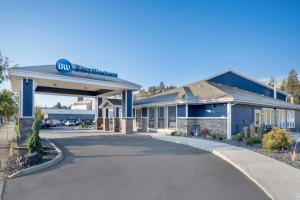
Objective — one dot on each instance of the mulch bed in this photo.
(283, 156)
(49, 153)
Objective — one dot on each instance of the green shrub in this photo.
(237, 137)
(174, 133)
(215, 136)
(33, 141)
(277, 139)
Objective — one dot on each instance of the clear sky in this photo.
(148, 41)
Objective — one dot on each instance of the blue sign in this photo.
(66, 67)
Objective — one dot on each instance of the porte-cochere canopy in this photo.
(77, 81)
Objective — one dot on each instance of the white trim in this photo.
(250, 79)
(125, 108)
(271, 105)
(185, 102)
(31, 74)
(228, 121)
(33, 98)
(186, 110)
(201, 117)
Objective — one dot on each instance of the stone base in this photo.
(99, 123)
(25, 128)
(214, 125)
(117, 124)
(127, 125)
(143, 127)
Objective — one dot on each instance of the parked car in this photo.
(70, 122)
(44, 124)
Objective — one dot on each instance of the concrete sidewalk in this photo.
(278, 180)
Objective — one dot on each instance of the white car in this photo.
(70, 123)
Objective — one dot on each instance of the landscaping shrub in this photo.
(33, 141)
(215, 136)
(253, 140)
(277, 139)
(174, 133)
(237, 137)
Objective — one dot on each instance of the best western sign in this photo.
(66, 67)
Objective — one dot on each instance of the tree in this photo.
(39, 115)
(8, 107)
(292, 86)
(4, 63)
(162, 85)
(58, 105)
(33, 142)
(283, 85)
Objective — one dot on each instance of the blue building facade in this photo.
(225, 104)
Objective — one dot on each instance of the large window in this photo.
(151, 117)
(290, 118)
(280, 118)
(161, 117)
(171, 116)
(268, 116)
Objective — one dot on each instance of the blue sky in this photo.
(148, 41)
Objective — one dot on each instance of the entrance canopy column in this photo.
(98, 113)
(127, 112)
(26, 107)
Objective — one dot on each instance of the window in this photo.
(151, 117)
(280, 118)
(257, 118)
(171, 116)
(268, 116)
(138, 118)
(161, 117)
(144, 112)
(290, 118)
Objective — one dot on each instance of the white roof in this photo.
(67, 111)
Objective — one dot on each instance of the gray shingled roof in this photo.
(51, 69)
(205, 91)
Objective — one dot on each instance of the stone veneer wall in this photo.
(215, 125)
(144, 125)
(117, 123)
(127, 125)
(99, 123)
(25, 125)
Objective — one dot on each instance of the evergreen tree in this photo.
(293, 87)
(4, 63)
(283, 85)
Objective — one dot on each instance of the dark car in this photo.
(45, 124)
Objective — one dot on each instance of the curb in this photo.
(2, 185)
(45, 165)
(225, 158)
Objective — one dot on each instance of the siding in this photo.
(181, 110)
(241, 116)
(297, 120)
(234, 80)
(210, 110)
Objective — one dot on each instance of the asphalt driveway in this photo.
(132, 167)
